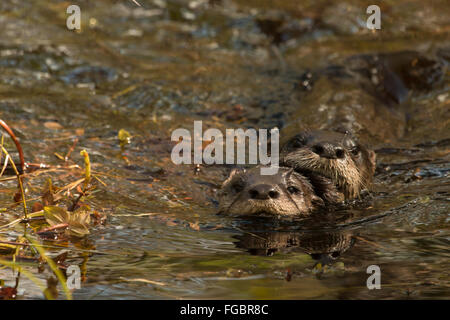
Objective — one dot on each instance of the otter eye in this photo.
(340, 153)
(293, 190)
(354, 151)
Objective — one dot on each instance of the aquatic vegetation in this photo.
(153, 230)
(49, 221)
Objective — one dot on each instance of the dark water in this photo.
(231, 64)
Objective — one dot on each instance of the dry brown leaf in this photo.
(53, 125)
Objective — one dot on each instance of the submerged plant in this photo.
(75, 223)
(48, 217)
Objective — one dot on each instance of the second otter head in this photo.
(286, 193)
(336, 156)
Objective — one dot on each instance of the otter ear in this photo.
(317, 201)
(343, 129)
(234, 172)
(288, 173)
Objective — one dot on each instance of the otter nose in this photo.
(328, 150)
(263, 192)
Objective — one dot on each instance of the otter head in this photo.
(286, 193)
(335, 157)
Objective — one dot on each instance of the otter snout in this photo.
(328, 150)
(263, 192)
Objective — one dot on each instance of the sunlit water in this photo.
(153, 69)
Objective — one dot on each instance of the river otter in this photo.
(330, 157)
(286, 193)
(330, 167)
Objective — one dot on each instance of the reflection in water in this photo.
(232, 64)
(323, 246)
